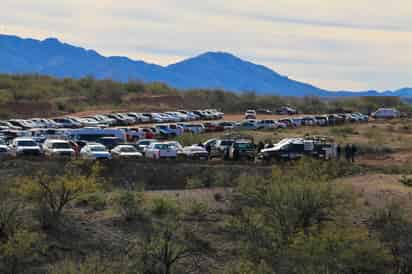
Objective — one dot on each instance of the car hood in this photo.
(130, 154)
(29, 148)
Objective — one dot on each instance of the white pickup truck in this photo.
(161, 151)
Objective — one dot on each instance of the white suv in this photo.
(95, 151)
(250, 114)
(26, 146)
(58, 148)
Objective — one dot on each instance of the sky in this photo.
(333, 44)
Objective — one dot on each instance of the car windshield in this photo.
(98, 149)
(144, 143)
(162, 146)
(128, 149)
(61, 146)
(226, 143)
(245, 145)
(26, 143)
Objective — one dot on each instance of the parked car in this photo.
(26, 146)
(5, 151)
(248, 125)
(110, 142)
(228, 125)
(321, 120)
(386, 113)
(95, 151)
(213, 127)
(161, 151)
(58, 148)
(267, 124)
(67, 123)
(286, 111)
(250, 114)
(220, 149)
(126, 151)
(309, 121)
(242, 149)
(141, 145)
(194, 152)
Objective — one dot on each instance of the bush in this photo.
(53, 194)
(407, 181)
(96, 200)
(197, 209)
(130, 205)
(194, 182)
(9, 217)
(19, 250)
(162, 207)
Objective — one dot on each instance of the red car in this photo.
(213, 127)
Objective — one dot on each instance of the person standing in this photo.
(348, 151)
(260, 146)
(353, 152)
(338, 152)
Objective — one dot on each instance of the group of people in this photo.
(350, 151)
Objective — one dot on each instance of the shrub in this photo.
(162, 207)
(130, 205)
(53, 194)
(194, 182)
(9, 221)
(407, 181)
(19, 250)
(96, 200)
(197, 209)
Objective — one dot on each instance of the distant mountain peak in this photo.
(209, 70)
(52, 40)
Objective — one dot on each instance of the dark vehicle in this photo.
(286, 111)
(295, 148)
(110, 142)
(240, 150)
(213, 127)
(120, 120)
(264, 111)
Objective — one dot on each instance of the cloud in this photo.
(353, 44)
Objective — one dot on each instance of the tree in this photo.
(169, 244)
(393, 227)
(270, 212)
(53, 193)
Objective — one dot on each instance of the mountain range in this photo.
(211, 70)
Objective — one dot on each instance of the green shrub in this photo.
(162, 207)
(194, 182)
(197, 209)
(19, 250)
(9, 217)
(130, 205)
(96, 200)
(405, 180)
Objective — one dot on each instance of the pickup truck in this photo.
(161, 151)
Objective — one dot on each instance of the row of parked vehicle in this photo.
(112, 119)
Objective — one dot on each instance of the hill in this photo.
(212, 70)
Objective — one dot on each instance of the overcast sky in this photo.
(334, 44)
